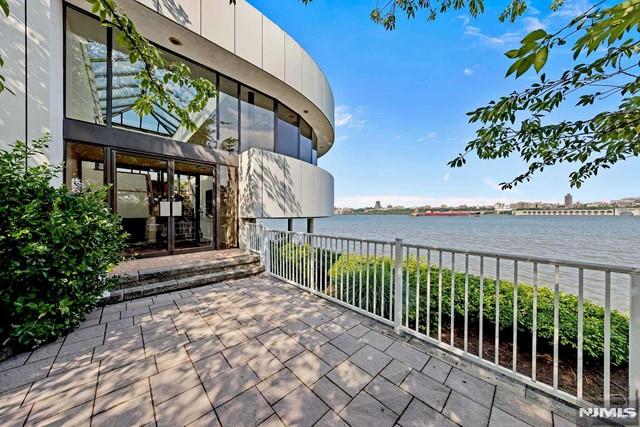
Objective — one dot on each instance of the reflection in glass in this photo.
(227, 207)
(127, 90)
(287, 132)
(142, 201)
(228, 94)
(86, 68)
(306, 143)
(84, 167)
(193, 205)
(257, 120)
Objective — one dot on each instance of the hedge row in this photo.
(348, 289)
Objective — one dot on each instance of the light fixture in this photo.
(174, 41)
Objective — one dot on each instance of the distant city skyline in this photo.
(381, 203)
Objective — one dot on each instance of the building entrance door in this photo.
(141, 199)
(166, 206)
(193, 206)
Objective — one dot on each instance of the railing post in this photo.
(312, 263)
(397, 283)
(634, 341)
(264, 248)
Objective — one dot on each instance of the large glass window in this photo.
(228, 105)
(86, 68)
(127, 90)
(306, 142)
(84, 166)
(287, 132)
(227, 207)
(257, 120)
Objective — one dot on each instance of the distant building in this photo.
(501, 207)
(342, 211)
(378, 205)
(568, 201)
(626, 202)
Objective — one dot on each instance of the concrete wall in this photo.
(276, 186)
(247, 33)
(32, 50)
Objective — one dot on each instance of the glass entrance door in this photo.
(142, 200)
(193, 206)
(170, 206)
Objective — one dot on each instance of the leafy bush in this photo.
(348, 289)
(56, 248)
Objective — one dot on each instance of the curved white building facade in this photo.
(254, 154)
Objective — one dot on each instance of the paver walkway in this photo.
(253, 352)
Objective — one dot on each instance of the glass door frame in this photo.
(111, 178)
(172, 226)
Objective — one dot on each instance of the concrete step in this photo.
(184, 271)
(175, 284)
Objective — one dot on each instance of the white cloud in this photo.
(532, 23)
(359, 123)
(446, 177)
(430, 135)
(343, 116)
(414, 201)
(468, 71)
(532, 10)
(465, 19)
(573, 8)
(342, 138)
(490, 182)
(501, 40)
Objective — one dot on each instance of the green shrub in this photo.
(56, 248)
(593, 343)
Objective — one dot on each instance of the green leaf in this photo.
(512, 53)
(4, 5)
(534, 36)
(513, 68)
(540, 58)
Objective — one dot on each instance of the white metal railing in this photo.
(452, 299)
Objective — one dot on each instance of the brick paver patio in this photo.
(254, 352)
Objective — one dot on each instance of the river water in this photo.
(605, 240)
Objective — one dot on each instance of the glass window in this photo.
(84, 166)
(257, 120)
(86, 68)
(306, 142)
(227, 207)
(314, 154)
(127, 90)
(287, 132)
(228, 105)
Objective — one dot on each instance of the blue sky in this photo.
(401, 99)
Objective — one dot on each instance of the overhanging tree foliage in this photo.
(517, 124)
